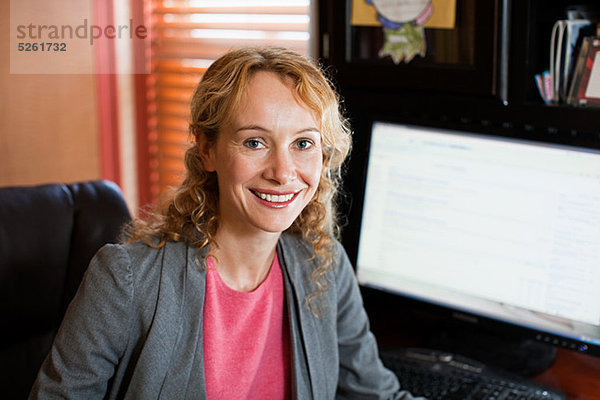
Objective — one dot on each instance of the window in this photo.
(187, 35)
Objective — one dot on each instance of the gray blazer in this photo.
(134, 330)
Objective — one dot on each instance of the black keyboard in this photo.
(439, 375)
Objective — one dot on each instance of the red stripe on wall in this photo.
(140, 15)
(106, 83)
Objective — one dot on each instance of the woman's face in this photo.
(268, 158)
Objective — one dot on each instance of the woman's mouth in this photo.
(276, 199)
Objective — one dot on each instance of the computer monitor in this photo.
(486, 227)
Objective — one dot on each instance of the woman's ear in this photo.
(207, 153)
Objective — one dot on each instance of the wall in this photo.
(48, 123)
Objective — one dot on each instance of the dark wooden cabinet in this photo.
(478, 76)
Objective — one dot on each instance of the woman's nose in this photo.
(281, 167)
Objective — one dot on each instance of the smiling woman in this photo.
(239, 288)
(245, 99)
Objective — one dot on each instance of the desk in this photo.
(575, 374)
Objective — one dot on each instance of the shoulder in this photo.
(138, 261)
(121, 256)
(135, 250)
(141, 251)
(150, 278)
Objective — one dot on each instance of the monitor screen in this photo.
(488, 226)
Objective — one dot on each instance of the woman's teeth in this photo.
(274, 198)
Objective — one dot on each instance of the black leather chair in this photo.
(48, 235)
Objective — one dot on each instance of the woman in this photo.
(239, 289)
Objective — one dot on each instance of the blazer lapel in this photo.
(309, 373)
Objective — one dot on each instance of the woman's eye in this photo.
(254, 144)
(304, 144)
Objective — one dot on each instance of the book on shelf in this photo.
(565, 42)
(585, 89)
(539, 83)
(544, 84)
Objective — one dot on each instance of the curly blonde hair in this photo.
(191, 215)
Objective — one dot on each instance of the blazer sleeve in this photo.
(93, 334)
(362, 374)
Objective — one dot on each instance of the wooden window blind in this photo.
(187, 35)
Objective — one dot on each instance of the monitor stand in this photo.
(520, 356)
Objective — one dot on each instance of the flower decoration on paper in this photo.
(403, 32)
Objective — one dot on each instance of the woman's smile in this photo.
(275, 199)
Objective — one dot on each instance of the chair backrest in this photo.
(48, 235)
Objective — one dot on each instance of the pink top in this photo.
(246, 339)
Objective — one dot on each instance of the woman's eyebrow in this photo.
(263, 129)
(251, 128)
(310, 129)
